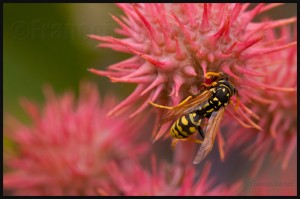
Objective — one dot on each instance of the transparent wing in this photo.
(189, 106)
(210, 135)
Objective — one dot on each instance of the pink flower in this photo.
(273, 183)
(165, 180)
(65, 149)
(174, 45)
(276, 110)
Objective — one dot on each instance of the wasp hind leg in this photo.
(189, 139)
(171, 107)
(201, 132)
(174, 142)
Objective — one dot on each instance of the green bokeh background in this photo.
(48, 44)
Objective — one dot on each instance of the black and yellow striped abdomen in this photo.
(185, 125)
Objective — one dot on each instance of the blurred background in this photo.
(48, 44)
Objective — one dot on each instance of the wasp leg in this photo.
(160, 106)
(174, 142)
(209, 85)
(205, 85)
(237, 102)
(170, 107)
(201, 132)
(184, 101)
(189, 139)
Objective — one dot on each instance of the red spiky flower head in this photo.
(68, 145)
(174, 45)
(165, 180)
(277, 110)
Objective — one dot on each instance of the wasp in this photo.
(190, 113)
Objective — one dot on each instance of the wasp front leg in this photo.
(208, 75)
(209, 85)
(213, 74)
(237, 104)
(237, 100)
(171, 107)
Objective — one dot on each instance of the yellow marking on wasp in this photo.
(179, 137)
(216, 99)
(174, 132)
(211, 110)
(206, 105)
(191, 117)
(194, 114)
(227, 94)
(192, 129)
(184, 133)
(219, 103)
(184, 121)
(225, 104)
(214, 83)
(178, 127)
(223, 90)
(226, 87)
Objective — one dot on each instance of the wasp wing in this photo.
(189, 106)
(210, 135)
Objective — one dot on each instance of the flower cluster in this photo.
(174, 45)
(274, 183)
(165, 180)
(65, 150)
(276, 110)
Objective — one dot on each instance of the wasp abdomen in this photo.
(185, 125)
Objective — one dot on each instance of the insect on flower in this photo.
(190, 113)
